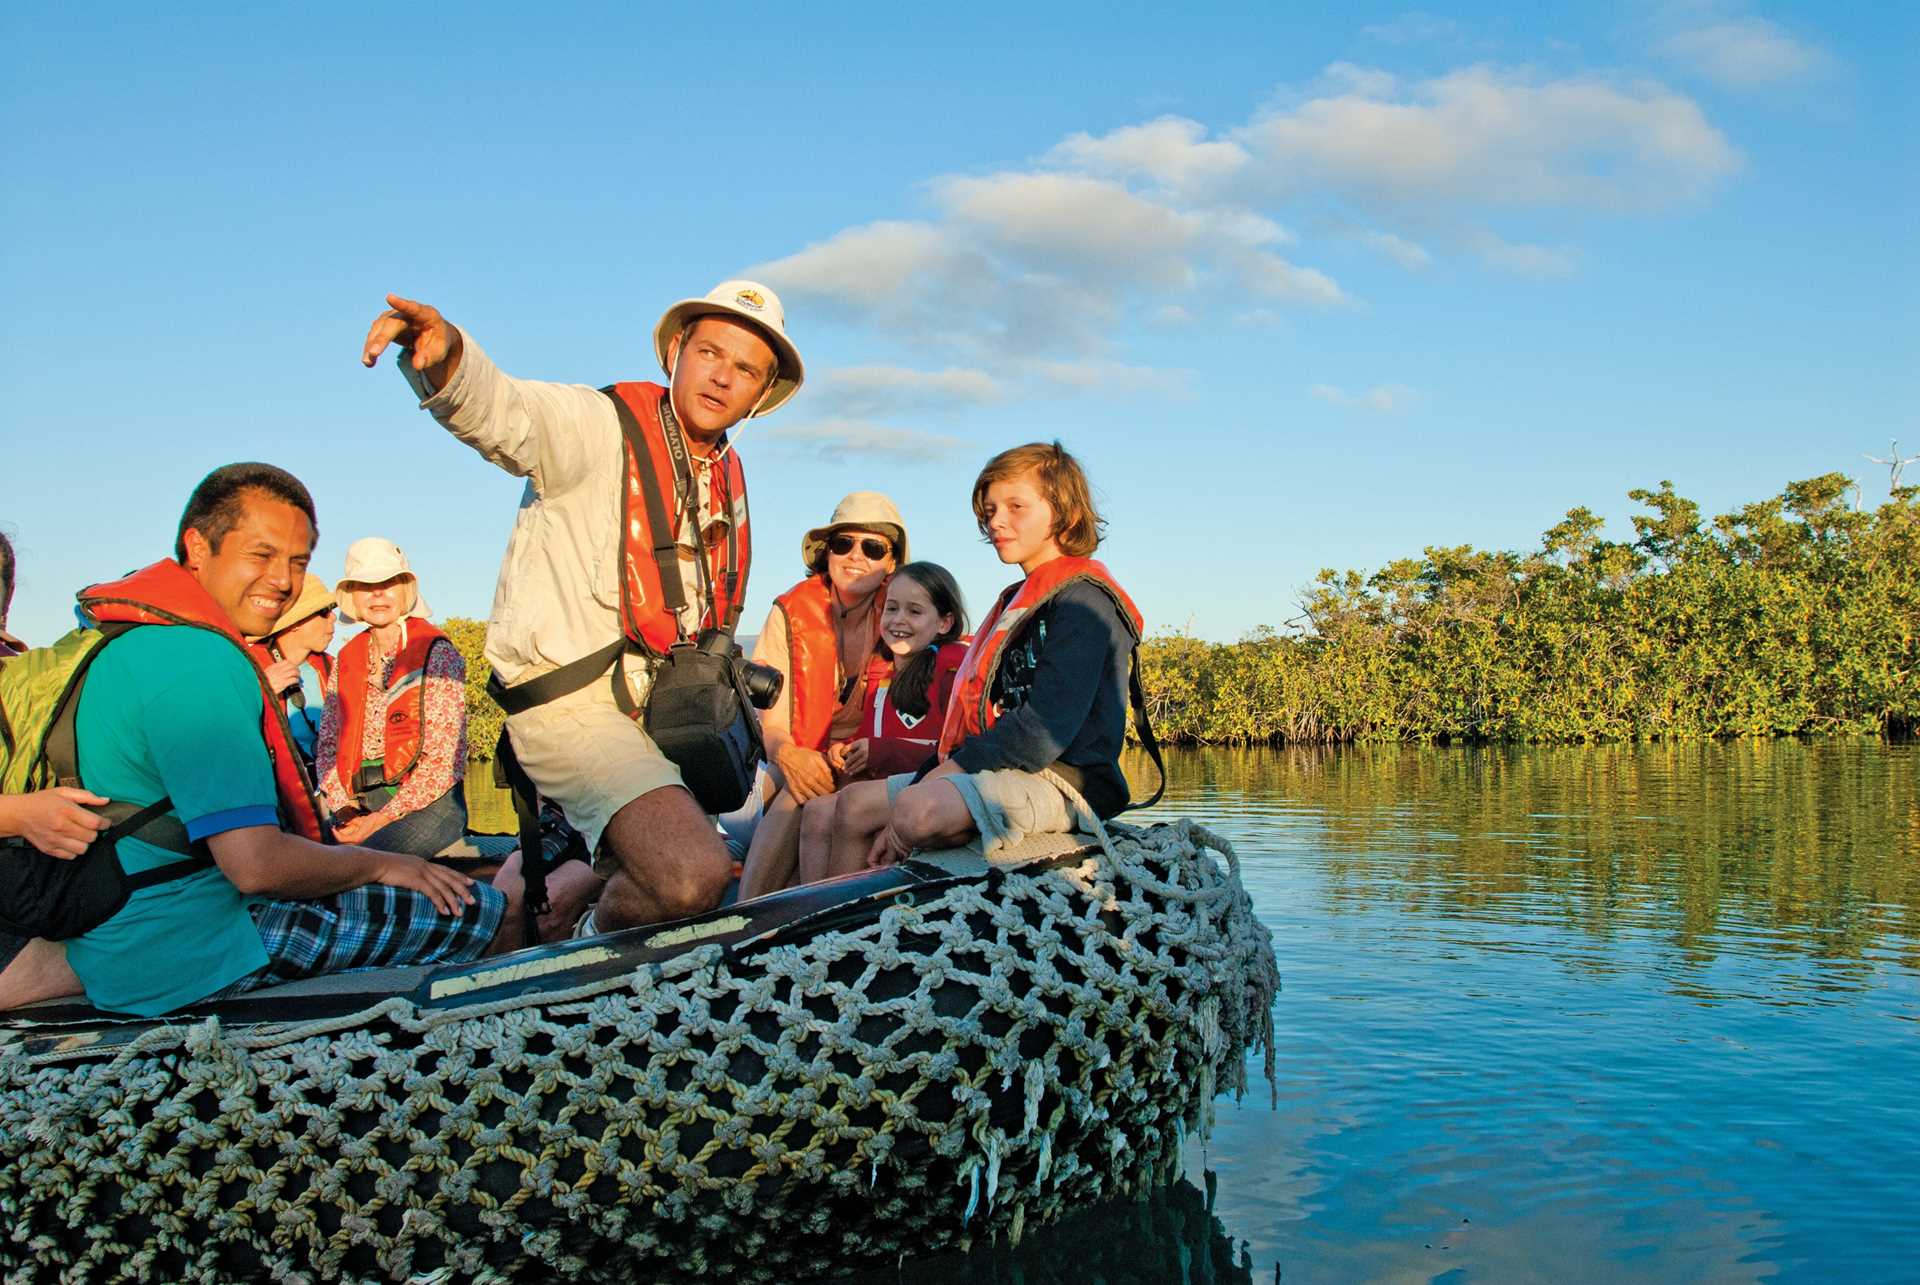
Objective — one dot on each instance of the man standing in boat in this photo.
(587, 595)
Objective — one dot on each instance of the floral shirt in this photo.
(443, 741)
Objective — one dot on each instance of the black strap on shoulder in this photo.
(666, 553)
(736, 575)
(688, 488)
(1137, 697)
(61, 749)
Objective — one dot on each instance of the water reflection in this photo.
(1170, 1234)
(1642, 1013)
(1639, 1013)
(1787, 846)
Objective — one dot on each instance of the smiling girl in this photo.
(910, 677)
(1043, 689)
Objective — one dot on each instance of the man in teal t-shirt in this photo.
(176, 710)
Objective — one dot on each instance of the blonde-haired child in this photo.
(1043, 689)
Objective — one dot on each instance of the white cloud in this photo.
(1408, 254)
(942, 290)
(1274, 277)
(1412, 29)
(1076, 226)
(864, 392)
(842, 436)
(1520, 260)
(1743, 53)
(1107, 377)
(1385, 399)
(1172, 152)
(1028, 281)
(1351, 78)
(1481, 137)
(869, 264)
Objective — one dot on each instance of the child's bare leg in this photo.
(816, 836)
(861, 814)
(774, 854)
(932, 814)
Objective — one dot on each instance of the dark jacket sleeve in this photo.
(1084, 633)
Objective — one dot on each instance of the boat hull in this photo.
(882, 1067)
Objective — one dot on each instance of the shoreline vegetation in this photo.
(1796, 615)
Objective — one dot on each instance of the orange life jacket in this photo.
(813, 656)
(645, 617)
(972, 709)
(406, 717)
(882, 720)
(167, 594)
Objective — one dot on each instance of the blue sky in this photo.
(1303, 286)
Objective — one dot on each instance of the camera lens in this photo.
(762, 683)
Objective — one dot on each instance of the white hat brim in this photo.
(792, 371)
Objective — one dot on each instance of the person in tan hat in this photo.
(820, 635)
(293, 655)
(392, 751)
(632, 536)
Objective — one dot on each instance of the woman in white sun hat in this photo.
(392, 754)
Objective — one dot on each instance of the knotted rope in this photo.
(982, 1059)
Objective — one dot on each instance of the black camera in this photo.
(760, 682)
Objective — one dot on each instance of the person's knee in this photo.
(818, 817)
(859, 810)
(916, 815)
(691, 887)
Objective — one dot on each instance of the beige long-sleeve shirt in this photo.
(558, 595)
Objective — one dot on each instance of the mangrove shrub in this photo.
(1794, 615)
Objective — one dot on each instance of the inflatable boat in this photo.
(840, 1075)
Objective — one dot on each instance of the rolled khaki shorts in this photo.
(589, 758)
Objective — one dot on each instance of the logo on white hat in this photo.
(751, 299)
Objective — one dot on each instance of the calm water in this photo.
(1646, 1014)
(1642, 1014)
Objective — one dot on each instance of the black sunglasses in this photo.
(874, 549)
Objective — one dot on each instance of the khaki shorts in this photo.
(589, 758)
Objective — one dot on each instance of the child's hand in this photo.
(283, 676)
(837, 755)
(886, 849)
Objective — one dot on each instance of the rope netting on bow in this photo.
(990, 1056)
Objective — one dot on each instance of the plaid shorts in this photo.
(372, 926)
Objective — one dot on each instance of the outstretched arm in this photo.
(435, 343)
(556, 435)
(265, 861)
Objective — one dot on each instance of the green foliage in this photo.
(1791, 616)
(484, 718)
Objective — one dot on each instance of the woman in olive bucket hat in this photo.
(819, 636)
